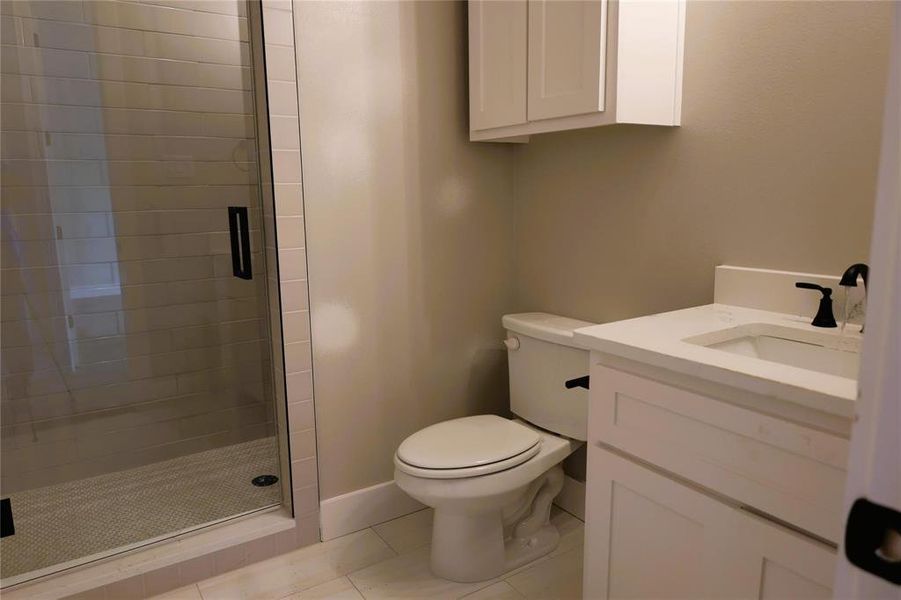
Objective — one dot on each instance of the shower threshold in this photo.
(68, 524)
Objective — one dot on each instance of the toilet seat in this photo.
(485, 469)
(467, 447)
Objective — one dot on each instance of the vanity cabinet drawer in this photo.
(792, 472)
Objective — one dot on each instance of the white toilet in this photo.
(491, 480)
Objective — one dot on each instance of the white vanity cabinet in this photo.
(548, 65)
(692, 496)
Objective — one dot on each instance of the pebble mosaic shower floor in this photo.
(78, 519)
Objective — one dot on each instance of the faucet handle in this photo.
(824, 317)
(812, 286)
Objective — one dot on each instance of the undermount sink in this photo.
(830, 353)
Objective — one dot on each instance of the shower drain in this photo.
(264, 480)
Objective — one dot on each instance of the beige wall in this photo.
(414, 232)
(409, 229)
(774, 166)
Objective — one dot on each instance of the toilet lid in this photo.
(467, 442)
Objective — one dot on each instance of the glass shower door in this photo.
(137, 391)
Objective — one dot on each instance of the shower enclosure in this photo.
(137, 379)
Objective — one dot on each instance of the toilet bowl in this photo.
(492, 480)
(488, 520)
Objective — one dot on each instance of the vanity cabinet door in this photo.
(648, 536)
(497, 63)
(770, 562)
(567, 49)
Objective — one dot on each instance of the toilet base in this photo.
(469, 547)
(523, 551)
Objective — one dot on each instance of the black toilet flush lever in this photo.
(581, 382)
(824, 316)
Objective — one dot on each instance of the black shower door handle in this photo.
(239, 230)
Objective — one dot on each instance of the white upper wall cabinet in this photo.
(548, 65)
(497, 63)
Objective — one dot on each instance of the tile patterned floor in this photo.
(86, 517)
(391, 560)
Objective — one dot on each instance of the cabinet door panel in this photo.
(673, 554)
(647, 536)
(567, 46)
(778, 582)
(497, 63)
(775, 563)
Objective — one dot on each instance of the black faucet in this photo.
(849, 279)
(824, 316)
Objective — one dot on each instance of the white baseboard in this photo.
(572, 497)
(364, 508)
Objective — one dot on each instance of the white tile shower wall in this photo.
(127, 130)
(281, 86)
(298, 378)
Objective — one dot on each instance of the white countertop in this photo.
(658, 340)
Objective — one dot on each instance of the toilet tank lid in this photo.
(544, 326)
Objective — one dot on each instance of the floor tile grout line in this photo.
(515, 589)
(487, 585)
(386, 542)
(354, 585)
(574, 516)
(387, 545)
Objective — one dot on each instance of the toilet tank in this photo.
(542, 357)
